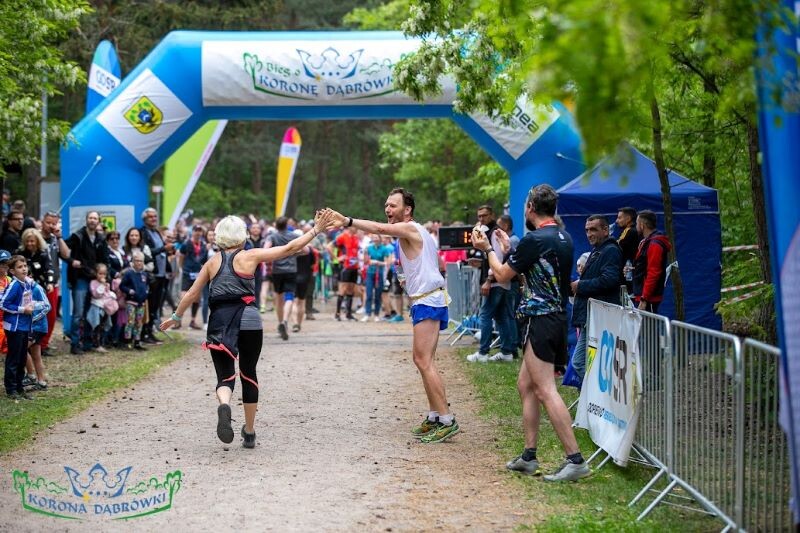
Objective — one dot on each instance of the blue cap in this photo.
(4, 256)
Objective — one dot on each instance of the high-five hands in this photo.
(325, 219)
(339, 220)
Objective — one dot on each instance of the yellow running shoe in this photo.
(442, 433)
(426, 428)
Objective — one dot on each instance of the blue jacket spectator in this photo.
(601, 279)
(12, 304)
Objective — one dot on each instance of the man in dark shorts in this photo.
(544, 257)
(284, 276)
(305, 280)
(348, 245)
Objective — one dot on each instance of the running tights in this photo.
(249, 352)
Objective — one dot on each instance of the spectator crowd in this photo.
(117, 283)
(635, 258)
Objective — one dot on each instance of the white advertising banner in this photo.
(527, 124)
(611, 394)
(307, 73)
(101, 80)
(144, 115)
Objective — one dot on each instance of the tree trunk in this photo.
(666, 197)
(709, 159)
(366, 168)
(759, 205)
(257, 176)
(322, 169)
(32, 198)
(766, 313)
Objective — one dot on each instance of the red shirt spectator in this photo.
(348, 244)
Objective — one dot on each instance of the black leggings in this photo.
(249, 352)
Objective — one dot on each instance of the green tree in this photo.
(434, 158)
(440, 163)
(338, 164)
(31, 65)
(620, 64)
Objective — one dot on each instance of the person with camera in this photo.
(544, 257)
(497, 302)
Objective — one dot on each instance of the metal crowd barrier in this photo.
(654, 438)
(709, 423)
(463, 287)
(706, 394)
(765, 475)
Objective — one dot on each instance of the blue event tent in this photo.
(630, 179)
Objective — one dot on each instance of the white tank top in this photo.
(422, 273)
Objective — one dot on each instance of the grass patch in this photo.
(597, 503)
(75, 383)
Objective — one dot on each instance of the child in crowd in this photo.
(134, 287)
(41, 306)
(18, 307)
(103, 305)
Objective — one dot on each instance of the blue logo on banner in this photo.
(613, 368)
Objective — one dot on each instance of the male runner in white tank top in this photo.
(425, 287)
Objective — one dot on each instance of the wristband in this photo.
(349, 221)
(176, 318)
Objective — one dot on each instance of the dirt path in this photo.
(334, 451)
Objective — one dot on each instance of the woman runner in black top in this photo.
(234, 326)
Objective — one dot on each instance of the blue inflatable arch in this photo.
(193, 77)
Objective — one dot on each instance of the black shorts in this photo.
(187, 280)
(302, 287)
(348, 275)
(547, 335)
(395, 289)
(282, 283)
(35, 337)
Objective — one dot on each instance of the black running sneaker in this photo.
(282, 331)
(249, 439)
(224, 429)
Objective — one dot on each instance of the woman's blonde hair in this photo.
(230, 232)
(36, 233)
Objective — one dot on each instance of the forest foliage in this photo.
(608, 60)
